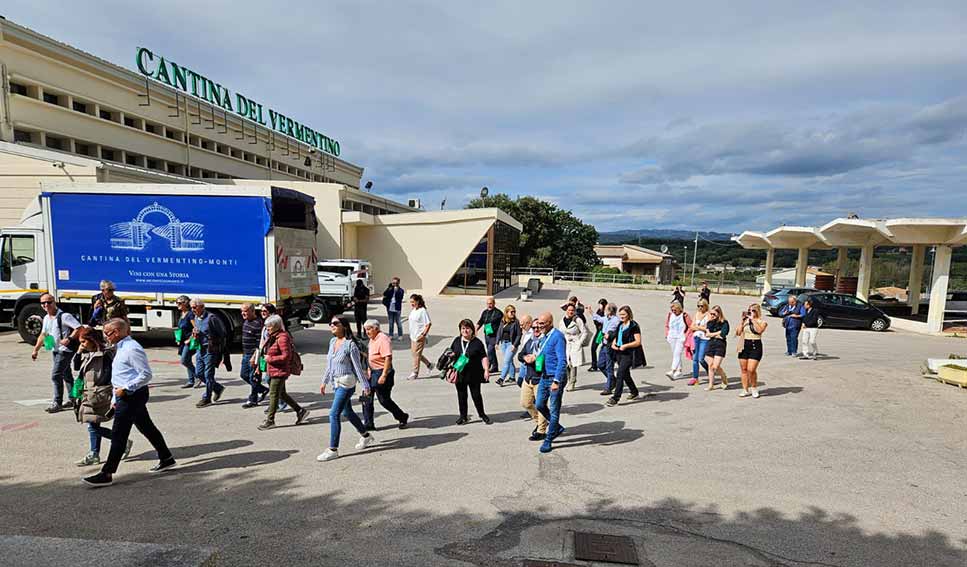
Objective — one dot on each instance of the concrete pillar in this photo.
(866, 272)
(802, 263)
(767, 277)
(916, 278)
(841, 257)
(938, 289)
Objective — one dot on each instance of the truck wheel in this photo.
(30, 321)
(318, 312)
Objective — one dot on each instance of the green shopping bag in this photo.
(489, 329)
(461, 363)
(598, 338)
(77, 390)
(262, 364)
(193, 344)
(539, 363)
(49, 342)
(178, 337)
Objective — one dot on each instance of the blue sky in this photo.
(715, 116)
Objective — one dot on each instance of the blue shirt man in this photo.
(209, 332)
(552, 363)
(791, 314)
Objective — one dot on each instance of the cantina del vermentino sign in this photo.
(188, 81)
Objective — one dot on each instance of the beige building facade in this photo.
(69, 116)
(638, 261)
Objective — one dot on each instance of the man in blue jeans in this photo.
(210, 334)
(791, 314)
(251, 336)
(57, 328)
(393, 300)
(551, 361)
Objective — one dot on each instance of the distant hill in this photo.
(623, 236)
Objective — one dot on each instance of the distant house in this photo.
(638, 261)
(787, 277)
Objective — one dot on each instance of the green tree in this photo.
(552, 237)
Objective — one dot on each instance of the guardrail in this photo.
(742, 287)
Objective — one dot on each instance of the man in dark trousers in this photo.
(393, 301)
(249, 372)
(705, 293)
(490, 321)
(130, 375)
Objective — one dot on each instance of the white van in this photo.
(338, 276)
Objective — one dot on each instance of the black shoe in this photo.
(535, 436)
(499, 381)
(263, 395)
(186, 386)
(301, 416)
(98, 480)
(462, 421)
(53, 408)
(163, 465)
(605, 393)
(203, 403)
(217, 395)
(404, 421)
(611, 402)
(267, 425)
(199, 384)
(486, 419)
(249, 404)
(371, 427)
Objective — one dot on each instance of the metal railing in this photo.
(735, 286)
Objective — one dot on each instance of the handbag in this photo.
(347, 381)
(451, 376)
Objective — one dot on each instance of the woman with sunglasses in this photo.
(344, 370)
(751, 354)
(195, 378)
(508, 340)
(472, 369)
(716, 330)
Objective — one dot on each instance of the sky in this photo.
(724, 116)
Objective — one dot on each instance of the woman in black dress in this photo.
(360, 305)
(472, 372)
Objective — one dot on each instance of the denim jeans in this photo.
(509, 370)
(248, 375)
(209, 363)
(606, 365)
(384, 393)
(792, 339)
(548, 404)
(394, 317)
(96, 433)
(698, 356)
(60, 374)
(187, 361)
(342, 405)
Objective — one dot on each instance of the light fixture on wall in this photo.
(369, 186)
(308, 162)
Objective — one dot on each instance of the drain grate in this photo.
(609, 548)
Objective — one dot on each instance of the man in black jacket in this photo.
(393, 301)
(490, 321)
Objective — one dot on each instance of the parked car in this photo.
(777, 297)
(843, 310)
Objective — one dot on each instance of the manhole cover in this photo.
(600, 547)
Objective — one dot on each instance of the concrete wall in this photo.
(424, 255)
(20, 178)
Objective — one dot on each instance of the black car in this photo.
(842, 310)
(777, 297)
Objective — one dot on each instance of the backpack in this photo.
(295, 362)
(363, 353)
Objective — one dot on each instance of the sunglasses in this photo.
(336, 323)
(46, 302)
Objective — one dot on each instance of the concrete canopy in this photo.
(855, 233)
(753, 241)
(908, 232)
(795, 237)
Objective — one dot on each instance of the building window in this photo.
(82, 149)
(17, 88)
(23, 136)
(487, 270)
(107, 115)
(56, 143)
(133, 159)
(152, 164)
(129, 122)
(80, 107)
(108, 154)
(151, 128)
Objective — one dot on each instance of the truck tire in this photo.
(30, 321)
(318, 312)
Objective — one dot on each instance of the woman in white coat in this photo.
(576, 334)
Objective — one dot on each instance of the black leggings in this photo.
(359, 313)
(477, 398)
(623, 375)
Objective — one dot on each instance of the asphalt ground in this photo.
(854, 459)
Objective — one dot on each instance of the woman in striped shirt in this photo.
(344, 369)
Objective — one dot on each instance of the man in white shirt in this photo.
(58, 326)
(130, 375)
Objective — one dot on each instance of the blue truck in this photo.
(226, 245)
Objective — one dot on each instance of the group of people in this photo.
(542, 358)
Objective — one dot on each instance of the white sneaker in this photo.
(670, 374)
(89, 459)
(328, 455)
(677, 375)
(744, 394)
(365, 441)
(413, 376)
(755, 392)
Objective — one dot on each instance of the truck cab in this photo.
(23, 268)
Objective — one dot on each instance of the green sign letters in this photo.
(184, 79)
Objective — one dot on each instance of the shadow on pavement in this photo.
(189, 451)
(782, 391)
(417, 442)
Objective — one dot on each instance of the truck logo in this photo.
(136, 233)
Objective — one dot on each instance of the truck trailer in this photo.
(224, 245)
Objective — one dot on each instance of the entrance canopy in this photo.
(866, 234)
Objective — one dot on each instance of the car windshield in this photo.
(340, 270)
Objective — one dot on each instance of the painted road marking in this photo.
(30, 403)
(8, 427)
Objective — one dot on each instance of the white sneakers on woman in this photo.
(754, 392)
(333, 454)
(365, 441)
